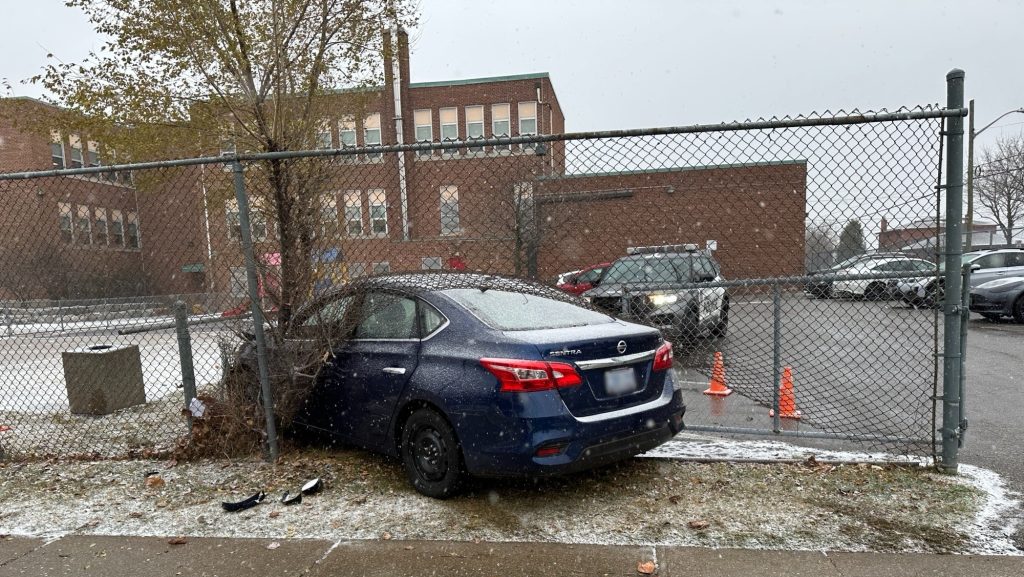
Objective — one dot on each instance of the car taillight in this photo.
(663, 357)
(520, 376)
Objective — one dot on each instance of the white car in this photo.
(878, 288)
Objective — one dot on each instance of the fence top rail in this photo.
(770, 124)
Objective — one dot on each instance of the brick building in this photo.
(507, 209)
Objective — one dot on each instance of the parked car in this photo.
(581, 281)
(822, 288)
(466, 374)
(644, 287)
(986, 265)
(877, 288)
(998, 298)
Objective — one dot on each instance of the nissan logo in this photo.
(621, 347)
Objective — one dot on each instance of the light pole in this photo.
(971, 133)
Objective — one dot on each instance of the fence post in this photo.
(257, 310)
(952, 362)
(776, 356)
(965, 319)
(188, 372)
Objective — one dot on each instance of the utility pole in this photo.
(970, 177)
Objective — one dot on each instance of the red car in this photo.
(581, 281)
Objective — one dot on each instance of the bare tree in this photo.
(999, 184)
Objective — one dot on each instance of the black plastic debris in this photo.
(151, 473)
(290, 499)
(313, 486)
(245, 504)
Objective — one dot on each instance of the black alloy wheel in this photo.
(431, 455)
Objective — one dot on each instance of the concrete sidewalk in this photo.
(85, 555)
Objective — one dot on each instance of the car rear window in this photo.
(510, 311)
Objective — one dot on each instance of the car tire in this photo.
(1018, 309)
(874, 291)
(722, 326)
(431, 454)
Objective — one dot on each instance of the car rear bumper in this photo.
(583, 444)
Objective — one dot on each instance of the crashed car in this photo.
(462, 374)
(998, 298)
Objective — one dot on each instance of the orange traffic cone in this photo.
(717, 385)
(787, 400)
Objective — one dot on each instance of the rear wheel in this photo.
(875, 291)
(431, 454)
(1018, 309)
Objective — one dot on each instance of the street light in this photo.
(971, 134)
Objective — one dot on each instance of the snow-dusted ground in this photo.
(648, 501)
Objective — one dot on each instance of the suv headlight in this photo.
(662, 299)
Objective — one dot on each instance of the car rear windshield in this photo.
(510, 311)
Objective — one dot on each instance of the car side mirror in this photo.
(706, 278)
(975, 267)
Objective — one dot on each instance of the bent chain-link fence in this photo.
(790, 260)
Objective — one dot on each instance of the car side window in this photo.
(386, 316)
(590, 276)
(331, 313)
(996, 260)
(430, 318)
(1015, 259)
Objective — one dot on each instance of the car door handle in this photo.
(394, 370)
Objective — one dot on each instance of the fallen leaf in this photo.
(645, 567)
(155, 482)
(674, 499)
(386, 536)
(273, 545)
(698, 524)
(162, 504)
(408, 547)
(135, 514)
(92, 524)
(177, 541)
(275, 514)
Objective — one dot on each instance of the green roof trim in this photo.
(675, 169)
(479, 80)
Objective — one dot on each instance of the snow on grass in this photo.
(639, 502)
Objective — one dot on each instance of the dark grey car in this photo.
(999, 298)
(644, 287)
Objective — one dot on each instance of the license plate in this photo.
(618, 382)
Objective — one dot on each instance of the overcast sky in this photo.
(634, 63)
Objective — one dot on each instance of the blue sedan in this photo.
(460, 374)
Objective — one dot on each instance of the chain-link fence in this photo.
(777, 255)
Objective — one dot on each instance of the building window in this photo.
(424, 121)
(329, 217)
(234, 220)
(381, 267)
(475, 126)
(347, 131)
(527, 122)
(117, 228)
(258, 221)
(100, 226)
(450, 210)
(500, 123)
(92, 155)
(449, 127)
(76, 151)
(56, 150)
(83, 226)
(323, 135)
(353, 213)
(431, 263)
(132, 231)
(371, 133)
(65, 222)
(378, 211)
(356, 270)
